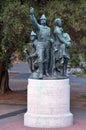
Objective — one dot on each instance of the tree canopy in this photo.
(16, 26)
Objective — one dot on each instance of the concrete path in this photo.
(21, 67)
(77, 79)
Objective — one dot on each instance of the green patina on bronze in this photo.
(48, 51)
(62, 44)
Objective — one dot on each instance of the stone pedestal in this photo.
(48, 104)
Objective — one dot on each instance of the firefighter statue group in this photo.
(49, 50)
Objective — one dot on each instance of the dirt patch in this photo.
(78, 95)
(14, 97)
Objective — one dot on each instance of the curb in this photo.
(12, 113)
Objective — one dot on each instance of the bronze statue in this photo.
(62, 43)
(47, 51)
(38, 55)
(44, 36)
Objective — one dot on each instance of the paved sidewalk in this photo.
(21, 67)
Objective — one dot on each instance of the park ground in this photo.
(13, 104)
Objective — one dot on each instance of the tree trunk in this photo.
(21, 1)
(4, 79)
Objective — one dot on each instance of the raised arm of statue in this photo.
(33, 19)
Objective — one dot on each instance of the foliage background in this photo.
(15, 25)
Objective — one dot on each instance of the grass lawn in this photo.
(82, 75)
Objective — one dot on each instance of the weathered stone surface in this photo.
(48, 104)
